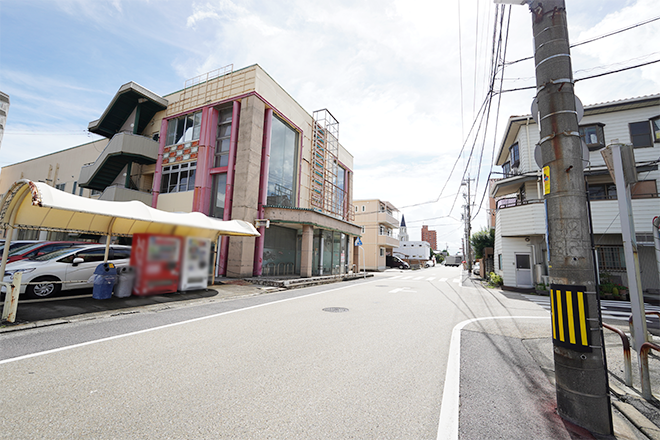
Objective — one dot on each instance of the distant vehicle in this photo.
(33, 250)
(476, 268)
(392, 261)
(453, 260)
(65, 269)
(429, 263)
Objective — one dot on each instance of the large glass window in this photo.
(218, 195)
(184, 129)
(223, 138)
(640, 134)
(178, 178)
(611, 258)
(282, 170)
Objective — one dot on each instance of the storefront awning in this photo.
(36, 205)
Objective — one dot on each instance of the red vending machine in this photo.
(157, 260)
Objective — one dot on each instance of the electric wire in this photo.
(591, 40)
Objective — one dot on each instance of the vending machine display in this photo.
(195, 265)
(157, 260)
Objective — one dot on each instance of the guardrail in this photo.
(644, 368)
(627, 364)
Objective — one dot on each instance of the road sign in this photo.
(358, 242)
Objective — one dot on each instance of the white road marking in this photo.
(442, 280)
(448, 424)
(402, 289)
(430, 279)
(202, 318)
(418, 278)
(456, 280)
(394, 278)
(406, 278)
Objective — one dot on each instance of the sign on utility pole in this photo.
(579, 355)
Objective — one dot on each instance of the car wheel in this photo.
(45, 288)
(401, 266)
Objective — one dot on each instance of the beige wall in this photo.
(368, 216)
(66, 163)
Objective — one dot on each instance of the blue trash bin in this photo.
(105, 277)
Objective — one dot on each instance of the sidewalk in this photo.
(633, 416)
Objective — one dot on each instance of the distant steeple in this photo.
(403, 231)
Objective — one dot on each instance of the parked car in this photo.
(16, 244)
(476, 267)
(33, 250)
(64, 269)
(392, 261)
(429, 263)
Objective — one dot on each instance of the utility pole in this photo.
(579, 354)
(468, 226)
(577, 333)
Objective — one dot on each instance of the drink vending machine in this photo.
(195, 267)
(157, 260)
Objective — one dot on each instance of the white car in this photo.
(65, 269)
(429, 263)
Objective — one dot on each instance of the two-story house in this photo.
(520, 244)
(379, 223)
(232, 145)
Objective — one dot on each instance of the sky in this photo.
(404, 78)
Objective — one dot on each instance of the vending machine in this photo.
(157, 261)
(195, 266)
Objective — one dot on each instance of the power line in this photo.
(591, 40)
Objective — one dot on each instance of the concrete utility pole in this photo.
(580, 366)
(468, 227)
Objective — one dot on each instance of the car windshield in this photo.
(25, 248)
(55, 254)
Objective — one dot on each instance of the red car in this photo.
(33, 250)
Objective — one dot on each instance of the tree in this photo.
(481, 240)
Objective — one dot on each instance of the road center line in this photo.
(448, 424)
(201, 318)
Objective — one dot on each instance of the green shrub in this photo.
(494, 280)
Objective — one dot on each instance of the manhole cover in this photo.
(335, 309)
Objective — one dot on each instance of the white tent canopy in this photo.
(36, 205)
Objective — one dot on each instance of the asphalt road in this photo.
(361, 359)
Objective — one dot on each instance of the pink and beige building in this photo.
(231, 145)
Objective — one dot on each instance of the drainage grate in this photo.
(335, 309)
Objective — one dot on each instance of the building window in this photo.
(60, 186)
(356, 208)
(223, 138)
(363, 229)
(382, 252)
(178, 178)
(655, 126)
(604, 191)
(506, 169)
(499, 261)
(514, 154)
(640, 134)
(218, 195)
(611, 258)
(593, 136)
(283, 167)
(381, 230)
(363, 208)
(184, 129)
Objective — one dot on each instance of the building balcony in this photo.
(520, 218)
(123, 148)
(385, 218)
(388, 241)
